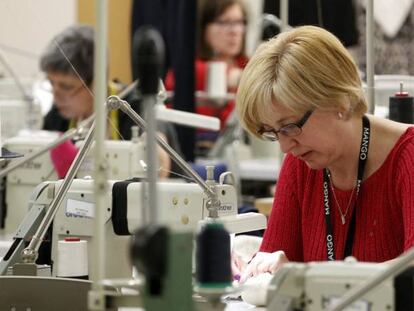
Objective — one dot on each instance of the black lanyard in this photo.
(363, 155)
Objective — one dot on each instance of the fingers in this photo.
(164, 159)
(264, 262)
(251, 268)
(233, 77)
(238, 265)
(247, 273)
(235, 267)
(264, 266)
(281, 260)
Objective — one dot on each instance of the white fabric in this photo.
(245, 246)
(255, 289)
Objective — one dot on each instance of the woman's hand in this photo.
(233, 78)
(238, 265)
(164, 159)
(264, 262)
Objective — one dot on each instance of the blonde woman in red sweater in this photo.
(346, 184)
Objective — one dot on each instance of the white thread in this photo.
(217, 79)
(72, 259)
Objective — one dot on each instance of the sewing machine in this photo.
(21, 182)
(319, 285)
(183, 207)
(17, 103)
(123, 160)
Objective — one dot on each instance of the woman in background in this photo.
(68, 62)
(221, 37)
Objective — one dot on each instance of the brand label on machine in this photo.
(76, 208)
(360, 305)
(225, 209)
(30, 165)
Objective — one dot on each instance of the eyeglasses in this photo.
(229, 25)
(65, 89)
(289, 130)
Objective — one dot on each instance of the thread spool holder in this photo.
(213, 266)
(401, 107)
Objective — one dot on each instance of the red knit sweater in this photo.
(384, 211)
(201, 70)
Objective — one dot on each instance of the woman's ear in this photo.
(344, 109)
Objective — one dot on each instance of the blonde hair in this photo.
(301, 69)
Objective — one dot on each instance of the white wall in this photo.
(255, 9)
(28, 25)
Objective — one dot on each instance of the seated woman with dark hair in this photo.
(68, 63)
(221, 37)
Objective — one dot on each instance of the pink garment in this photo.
(384, 211)
(62, 157)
